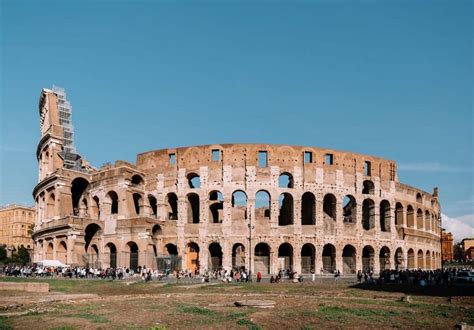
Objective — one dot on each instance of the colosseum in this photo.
(261, 207)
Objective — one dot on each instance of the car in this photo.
(464, 276)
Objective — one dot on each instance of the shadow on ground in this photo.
(459, 290)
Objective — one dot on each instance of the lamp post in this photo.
(250, 242)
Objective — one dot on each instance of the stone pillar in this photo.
(318, 259)
(297, 259)
(339, 262)
(226, 255)
(203, 258)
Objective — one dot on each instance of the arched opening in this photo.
(329, 207)
(137, 180)
(192, 257)
(215, 256)
(50, 206)
(172, 206)
(411, 259)
(216, 207)
(262, 258)
(398, 214)
(421, 260)
(385, 215)
(308, 255)
(285, 180)
(238, 257)
(93, 256)
(134, 254)
(285, 216)
(428, 260)
(61, 252)
(95, 208)
(112, 252)
(285, 257)
(349, 209)
(368, 187)
(156, 231)
(137, 200)
(384, 258)
(194, 181)
(91, 234)
(153, 205)
(368, 261)
(329, 258)
(171, 249)
(308, 209)
(410, 217)
(49, 251)
(419, 198)
(78, 187)
(349, 260)
(239, 205)
(193, 208)
(399, 259)
(83, 208)
(427, 221)
(262, 205)
(114, 202)
(419, 219)
(368, 214)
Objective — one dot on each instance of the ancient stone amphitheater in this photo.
(259, 206)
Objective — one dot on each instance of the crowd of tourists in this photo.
(445, 276)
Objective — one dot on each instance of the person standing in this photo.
(259, 277)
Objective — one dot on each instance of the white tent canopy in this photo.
(52, 263)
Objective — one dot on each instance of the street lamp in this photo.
(250, 242)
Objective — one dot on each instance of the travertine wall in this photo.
(124, 214)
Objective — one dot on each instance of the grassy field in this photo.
(155, 305)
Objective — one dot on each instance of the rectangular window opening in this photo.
(308, 157)
(367, 168)
(262, 159)
(329, 159)
(216, 155)
(172, 159)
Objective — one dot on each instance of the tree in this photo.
(22, 256)
(3, 253)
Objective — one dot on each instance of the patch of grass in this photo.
(94, 318)
(5, 323)
(333, 313)
(196, 310)
(236, 315)
(250, 325)
(66, 327)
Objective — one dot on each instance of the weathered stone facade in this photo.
(16, 222)
(263, 207)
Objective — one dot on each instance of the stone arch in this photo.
(420, 260)
(368, 259)
(215, 256)
(111, 250)
(92, 234)
(114, 202)
(419, 198)
(368, 187)
(349, 259)
(384, 258)
(137, 180)
(193, 208)
(308, 258)
(171, 249)
(93, 256)
(285, 257)
(349, 209)
(78, 187)
(399, 259)
(428, 260)
(385, 215)
(419, 219)
(368, 214)
(51, 206)
(194, 180)
(192, 257)
(308, 209)
(171, 206)
(398, 214)
(329, 258)
(262, 258)
(137, 201)
(216, 206)
(153, 205)
(239, 205)
(133, 255)
(61, 252)
(285, 180)
(49, 251)
(410, 217)
(238, 256)
(262, 205)
(329, 207)
(285, 202)
(427, 221)
(411, 259)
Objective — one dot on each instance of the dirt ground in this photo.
(98, 304)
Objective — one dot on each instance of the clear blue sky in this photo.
(391, 79)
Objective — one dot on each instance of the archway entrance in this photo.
(384, 258)
(238, 257)
(285, 257)
(192, 257)
(307, 258)
(349, 260)
(329, 258)
(262, 258)
(133, 248)
(215, 256)
(112, 251)
(368, 259)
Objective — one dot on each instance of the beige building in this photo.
(16, 223)
(259, 206)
